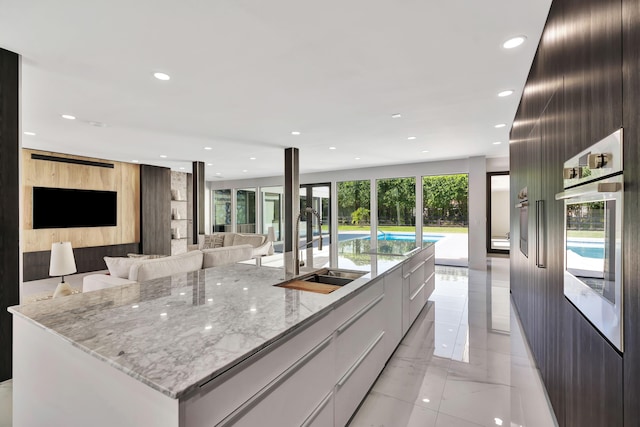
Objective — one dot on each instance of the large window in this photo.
(396, 215)
(445, 217)
(354, 223)
(221, 210)
(246, 210)
(272, 211)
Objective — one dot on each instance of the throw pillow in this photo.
(212, 241)
(119, 267)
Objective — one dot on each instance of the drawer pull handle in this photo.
(266, 390)
(415, 294)
(311, 418)
(358, 362)
(359, 314)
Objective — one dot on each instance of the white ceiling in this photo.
(245, 73)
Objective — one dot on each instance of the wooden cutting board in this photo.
(302, 285)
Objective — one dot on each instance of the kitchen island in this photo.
(221, 346)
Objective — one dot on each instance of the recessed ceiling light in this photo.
(164, 156)
(68, 117)
(244, 170)
(295, 132)
(357, 158)
(218, 173)
(500, 125)
(134, 161)
(396, 116)
(332, 148)
(252, 158)
(425, 400)
(505, 93)
(497, 143)
(30, 133)
(208, 148)
(411, 137)
(425, 151)
(514, 42)
(498, 421)
(162, 76)
(181, 169)
(209, 164)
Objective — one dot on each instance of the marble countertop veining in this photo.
(176, 333)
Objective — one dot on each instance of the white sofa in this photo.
(262, 243)
(125, 271)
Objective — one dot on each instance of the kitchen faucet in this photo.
(296, 258)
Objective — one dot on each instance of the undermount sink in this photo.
(334, 276)
(327, 280)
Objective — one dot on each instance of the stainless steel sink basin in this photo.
(333, 276)
(325, 280)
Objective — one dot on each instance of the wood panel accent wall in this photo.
(124, 178)
(10, 202)
(155, 209)
(631, 266)
(574, 97)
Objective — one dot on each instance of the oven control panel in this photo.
(602, 159)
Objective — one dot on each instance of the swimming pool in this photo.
(587, 249)
(391, 237)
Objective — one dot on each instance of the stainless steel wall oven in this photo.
(593, 198)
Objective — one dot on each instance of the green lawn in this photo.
(585, 233)
(404, 228)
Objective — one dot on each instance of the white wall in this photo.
(499, 213)
(478, 213)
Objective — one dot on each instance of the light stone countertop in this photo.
(176, 333)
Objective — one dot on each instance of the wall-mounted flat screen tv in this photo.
(68, 208)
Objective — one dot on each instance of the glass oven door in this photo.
(593, 262)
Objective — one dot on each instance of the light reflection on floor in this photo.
(463, 363)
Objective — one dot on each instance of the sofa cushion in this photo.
(213, 241)
(228, 238)
(161, 267)
(227, 255)
(254, 240)
(119, 266)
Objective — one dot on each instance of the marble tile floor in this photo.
(464, 362)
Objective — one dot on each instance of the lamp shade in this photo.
(62, 260)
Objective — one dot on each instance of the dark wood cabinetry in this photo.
(574, 97)
(155, 215)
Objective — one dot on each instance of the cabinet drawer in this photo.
(354, 336)
(358, 301)
(222, 395)
(416, 280)
(417, 300)
(353, 386)
(293, 396)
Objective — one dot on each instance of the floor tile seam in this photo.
(413, 403)
(492, 384)
(457, 418)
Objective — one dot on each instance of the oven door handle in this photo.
(591, 188)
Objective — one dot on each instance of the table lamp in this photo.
(62, 263)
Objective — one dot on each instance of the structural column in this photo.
(198, 200)
(291, 205)
(477, 213)
(10, 202)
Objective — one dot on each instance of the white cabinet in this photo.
(223, 395)
(393, 309)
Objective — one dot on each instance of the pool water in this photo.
(587, 249)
